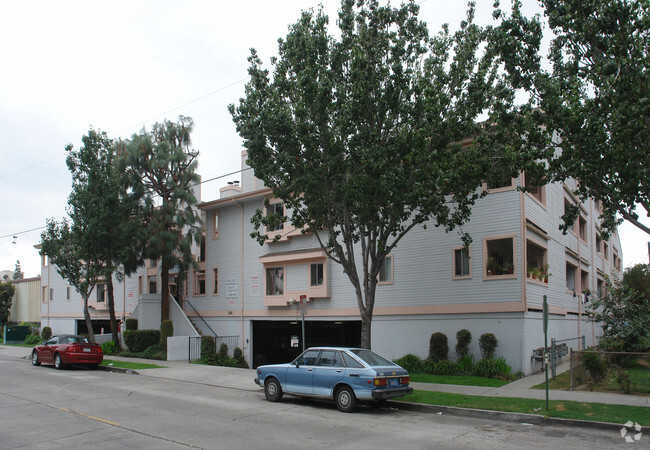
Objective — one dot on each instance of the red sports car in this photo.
(68, 349)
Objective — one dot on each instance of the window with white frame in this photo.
(199, 282)
(570, 275)
(386, 270)
(101, 292)
(499, 254)
(276, 209)
(536, 263)
(462, 267)
(316, 274)
(275, 281)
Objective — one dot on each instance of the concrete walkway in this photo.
(243, 379)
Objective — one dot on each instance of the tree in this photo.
(160, 170)
(596, 103)
(18, 275)
(623, 308)
(85, 248)
(7, 291)
(367, 136)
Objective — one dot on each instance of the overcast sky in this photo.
(120, 65)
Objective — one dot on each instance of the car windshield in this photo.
(371, 358)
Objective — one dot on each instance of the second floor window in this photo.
(153, 284)
(275, 281)
(278, 210)
(316, 274)
(101, 291)
(461, 262)
(386, 270)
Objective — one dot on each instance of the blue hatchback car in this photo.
(345, 375)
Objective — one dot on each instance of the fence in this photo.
(624, 376)
(194, 345)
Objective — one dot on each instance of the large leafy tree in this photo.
(596, 99)
(371, 134)
(85, 248)
(160, 171)
(7, 290)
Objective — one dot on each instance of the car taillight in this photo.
(381, 381)
(75, 349)
(405, 380)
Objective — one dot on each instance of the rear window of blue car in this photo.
(372, 358)
(351, 362)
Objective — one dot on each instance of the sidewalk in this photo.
(243, 379)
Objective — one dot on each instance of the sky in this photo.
(123, 65)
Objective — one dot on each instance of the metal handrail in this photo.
(201, 317)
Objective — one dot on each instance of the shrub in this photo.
(110, 348)
(428, 367)
(46, 333)
(131, 323)
(411, 363)
(239, 357)
(492, 368)
(223, 349)
(217, 359)
(438, 348)
(207, 345)
(139, 340)
(446, 367)
(595, 365)
(466, 364)
(623, 380)
(33, 339)
(463, 338)
(166, 330)
(156, 351)
(488, 344)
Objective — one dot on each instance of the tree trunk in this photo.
(111, 307)
(164, 291)
(366, 322)
(89, 324)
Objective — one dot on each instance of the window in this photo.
(67, 293)
(101, 290)
(571, 271)
(153, 283)
(44, 294)
(605, 250)
(152, 263)
(386, 270)
(316, 274)
(600, 286)
(582, 228)
(599, 244)
(140, 283)
(499, 256)
(202, 249)
(536, 265)
(617, 262)
(584, 281)
(567, 210)
(351, 362)
(44, 260)
(215, 225)
(275, 281)
(215, 278)
(276, 209)
(537, 192)
(329, 358)
(462, 267)
(503, 181)
(51, 294)
(308, 358)
(199, 282)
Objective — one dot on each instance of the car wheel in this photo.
(35, 361)
(345, 399)
(58, 363)
(272, 390)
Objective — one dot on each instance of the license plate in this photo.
(87, 350)
(393, 381)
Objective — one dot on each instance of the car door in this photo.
(46, 354)
(300, 376)
(327, 372)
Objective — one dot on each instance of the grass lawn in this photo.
(457, 379)
(639, 375)
(129, 364)
(598, 412)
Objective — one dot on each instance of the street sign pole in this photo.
(546, 347)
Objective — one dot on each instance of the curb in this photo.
(118, 370)
(533, 419)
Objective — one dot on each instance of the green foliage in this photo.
(623, 308)
(217, 359)
(7, 291)
(208, 345)
(33, 339)
(595, 365)
(46, 333)
(166, 330)
(223, 349)
(18, 275)
(438, 347)
(463, 339)
(488, 344)
(110, 348)
(379, 99)
(139, 340)
(412, 363)
(156, 351)
(623, 380)
(492, 368)
(239, 357)
(445, 367)
(159, 168)
(466, 363)
(131, 323)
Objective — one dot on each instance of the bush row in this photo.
(486, 367)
